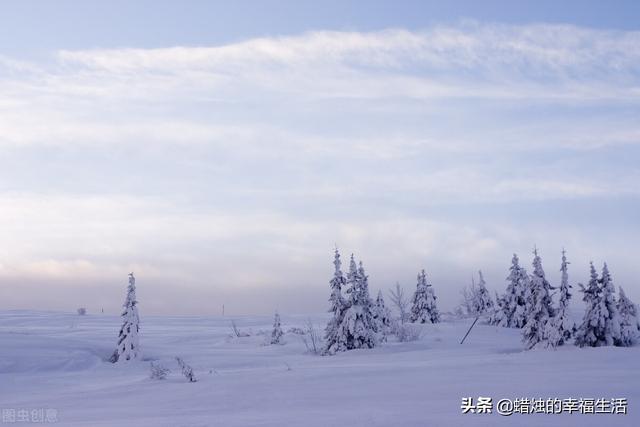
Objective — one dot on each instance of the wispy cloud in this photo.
(185, 162)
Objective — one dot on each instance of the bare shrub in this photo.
(82, 311)
(400, 301)
(158, 372)
(408, 332)
(311, 338)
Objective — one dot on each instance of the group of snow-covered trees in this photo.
(359, 322)
(355, 322)
(528, 304)
(606, 321)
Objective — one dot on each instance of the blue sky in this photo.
(220, 151)
(36, 27)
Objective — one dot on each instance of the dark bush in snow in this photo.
(187, 370)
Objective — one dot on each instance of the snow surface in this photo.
(57, 360)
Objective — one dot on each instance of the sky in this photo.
(222, 150)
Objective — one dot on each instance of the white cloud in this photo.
(241, 164)
(552, 47)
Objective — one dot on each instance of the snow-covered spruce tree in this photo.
(333, 340)
(276, 333)
(612, 327)
(512, 303)
(629, 321)
(187, 370)
(601, 323)
(592, 326)
(423, 307)
(128, 343)
(498, 317)
(534, 333)
(483, 304)
(358, 328)
(433, 308)
(382, 316)
(561, 327)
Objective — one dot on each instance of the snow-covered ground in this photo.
(56, 361)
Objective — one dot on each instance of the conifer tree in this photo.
(601, 324)
(512, 305)
(382, 316)
(539, 305)
(128, 342)
(333, 341)
(434, 313)
(358, 328)
(562, 327)
(187, 370)
(612, 327)
(423, 304)
(483, 304)
(276, 333)
(500, 311)
(629, 320)
(590, 330)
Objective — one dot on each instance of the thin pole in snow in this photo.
(472, 325)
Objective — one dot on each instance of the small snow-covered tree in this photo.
(419, 304)
(187, 370)
(334, 341)
(423, 307)
(400, 301)
(433, 308)
(128, 342)
(358, 328)
(276, 333)
(482, 302)
(629, 320)
(539, 305)
(382, 316)
(561, 327)
(499, 311)
(601, 324)
(511, 306)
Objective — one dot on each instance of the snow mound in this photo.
(23, 353)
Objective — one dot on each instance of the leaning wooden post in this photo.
(465, 335)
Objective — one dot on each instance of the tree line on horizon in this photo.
(357, 321)
(527, 304)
